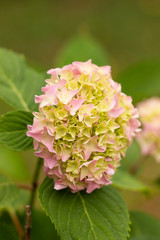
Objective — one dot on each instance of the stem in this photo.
(28, 223)
(35, 181)
(16, 222)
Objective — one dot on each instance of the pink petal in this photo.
(90, 146)
(92, 186)
(75, 105)
(114, 113)
(114, 103)
(58, 185)
(50, 162)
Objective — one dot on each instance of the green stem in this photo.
(35, 181)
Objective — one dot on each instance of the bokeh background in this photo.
(124, 34)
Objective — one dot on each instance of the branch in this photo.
(28, 223)
(35, 181)
(24, 186)
(16, 222)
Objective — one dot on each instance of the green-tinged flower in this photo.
(84, 126)
(149, 137)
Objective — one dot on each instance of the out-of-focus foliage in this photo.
(42, 228)
(19, 82)
(82, 48)
(132, 155)
(7, 229)
(144, 225)
(8, 192)
(124, 180)
(13, 165)
(141, 80)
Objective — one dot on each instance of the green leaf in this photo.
(18, 82)
(22, 200)
(8, 192)
(13, 127)
(141, 80)
(81, 216)
(7, 229)
(42, 227)
(13, 165)
(132, 155)
(82, 48)
(144, 238)
(144, 225)
(124, 180)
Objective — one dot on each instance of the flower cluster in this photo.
(149, 137)
(83, 127)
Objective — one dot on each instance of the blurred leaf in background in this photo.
(141, 80)
(7, 229)
(82, 48)
(13, 165)
(8, 192)
(42, 228)
(124, 180)
(144, 226)
(19, 82)
(133, 154)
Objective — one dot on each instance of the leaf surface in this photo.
(18, 169)
(124, 180)
(18, 82)
(144, 225)
(81, 216)
(141, 80)
(8, 192)
(13, 127)
(82, 48)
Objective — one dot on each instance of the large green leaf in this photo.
(141, 80)
(82, 48)
(18, 82)
(42, 227)
(13, 164)
(13, 127)
(124, 180)
(8, 192)
(144, 225)
(81, 216)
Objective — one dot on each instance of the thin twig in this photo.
(35, 181)
(28, 223)
(25, 186)
(16, 222)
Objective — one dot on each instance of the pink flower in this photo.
(149, 137)
(84, 126)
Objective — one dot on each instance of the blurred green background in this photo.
(124, 34)
(127, 30)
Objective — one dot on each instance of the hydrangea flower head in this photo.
(83, 127)
(149, 137)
